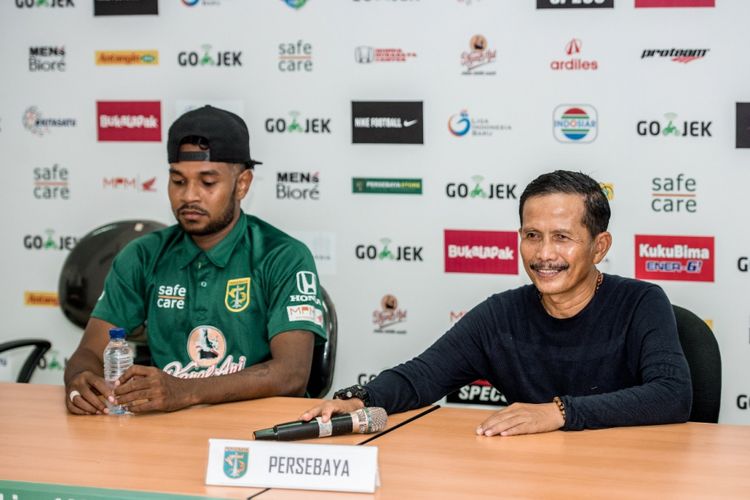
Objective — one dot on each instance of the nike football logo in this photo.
(409, 123)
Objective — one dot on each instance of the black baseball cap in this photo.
(226, 133)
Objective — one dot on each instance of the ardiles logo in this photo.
(297, 186)
(574, 62)
(34, 122)
(388, 252)
(478, 189)
(478, 57)
(389, 316)
(298, 125)
(481, 252)
(671, 127)
(46, 59)
(461, 124)
(674, 258)
(211, 58)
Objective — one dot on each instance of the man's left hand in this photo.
(146, 388)
(522, 418)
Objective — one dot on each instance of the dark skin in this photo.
(202, 195)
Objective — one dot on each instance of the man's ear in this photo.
(602, 244)
(244, 180)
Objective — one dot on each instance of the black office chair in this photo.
(41, 346)
(324, 355)
(704, 359)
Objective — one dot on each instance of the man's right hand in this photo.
(87, 401)
(330, 407)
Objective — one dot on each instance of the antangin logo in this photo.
(127, 57)
(237, 296)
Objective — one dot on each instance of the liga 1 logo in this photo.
(674, 258)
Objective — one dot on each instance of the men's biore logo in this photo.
(674, 258)
(575, 123)
(482, 252)
(128, 121)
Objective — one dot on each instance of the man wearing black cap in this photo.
(232, 304)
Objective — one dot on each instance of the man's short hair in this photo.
(596, 206)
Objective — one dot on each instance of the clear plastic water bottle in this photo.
(118, 357)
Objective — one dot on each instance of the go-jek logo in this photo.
(575, 123)
(459, 124)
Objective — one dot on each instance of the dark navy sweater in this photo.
(617, 362)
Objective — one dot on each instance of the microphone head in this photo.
(375, 417)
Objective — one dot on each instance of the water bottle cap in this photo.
(116, 333)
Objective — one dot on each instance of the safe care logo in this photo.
(295, 57)
(51, 183)
(674, 194)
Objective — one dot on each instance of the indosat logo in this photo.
(210, 58)
(481, 252)
(574, 62)
(126, 57)
(478, 57)
(575, 123)
(478, 189)
(37, 124)
(674, 258)
(461, 124)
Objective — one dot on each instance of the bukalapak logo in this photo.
(481, 252)
(49, 241)
(210, 58)
(297, 124)
(671, 126)
(125, 8)
(128, 121)
(575, 123)
(387, 122)
(674, 3)
(297, 186)
(575, 4)
(674, 194)
(574, 60)
(35, 122)
(683, 56)
(51, 183)
(46, 59)
(480, 189)
(462, 124)
(480, 58)
(387, 251)
(54, 4)
(674, 258)
(743, 125)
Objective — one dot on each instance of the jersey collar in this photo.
(218, 255)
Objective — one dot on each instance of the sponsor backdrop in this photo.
(397, 137)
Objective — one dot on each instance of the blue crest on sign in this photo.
(235, 462)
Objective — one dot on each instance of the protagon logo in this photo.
(481, 252)
(128, 121)
(677, 55)
(674, 258)
(34, 122)
(390, 122)
(685, 128)
(673, 194)
(574, 63)
(297, 186)
(479, 56)
(575, 123)
(46, 59)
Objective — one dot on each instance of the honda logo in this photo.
(364, 55)
(306, 283)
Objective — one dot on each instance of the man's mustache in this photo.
(544, 266)
(191, 208)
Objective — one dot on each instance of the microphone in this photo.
(362, 421)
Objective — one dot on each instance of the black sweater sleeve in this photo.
(665, 392)
(454, 360)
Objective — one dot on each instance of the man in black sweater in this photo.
(575, 350)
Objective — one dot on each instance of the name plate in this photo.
(271, 464)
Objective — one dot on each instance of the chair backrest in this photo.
(41, 346)
(704, 359)
(324, 355)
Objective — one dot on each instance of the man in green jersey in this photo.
(233, 305)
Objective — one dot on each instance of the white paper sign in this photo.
(273, 464)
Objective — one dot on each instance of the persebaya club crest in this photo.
(237, 297)
(235, 462)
